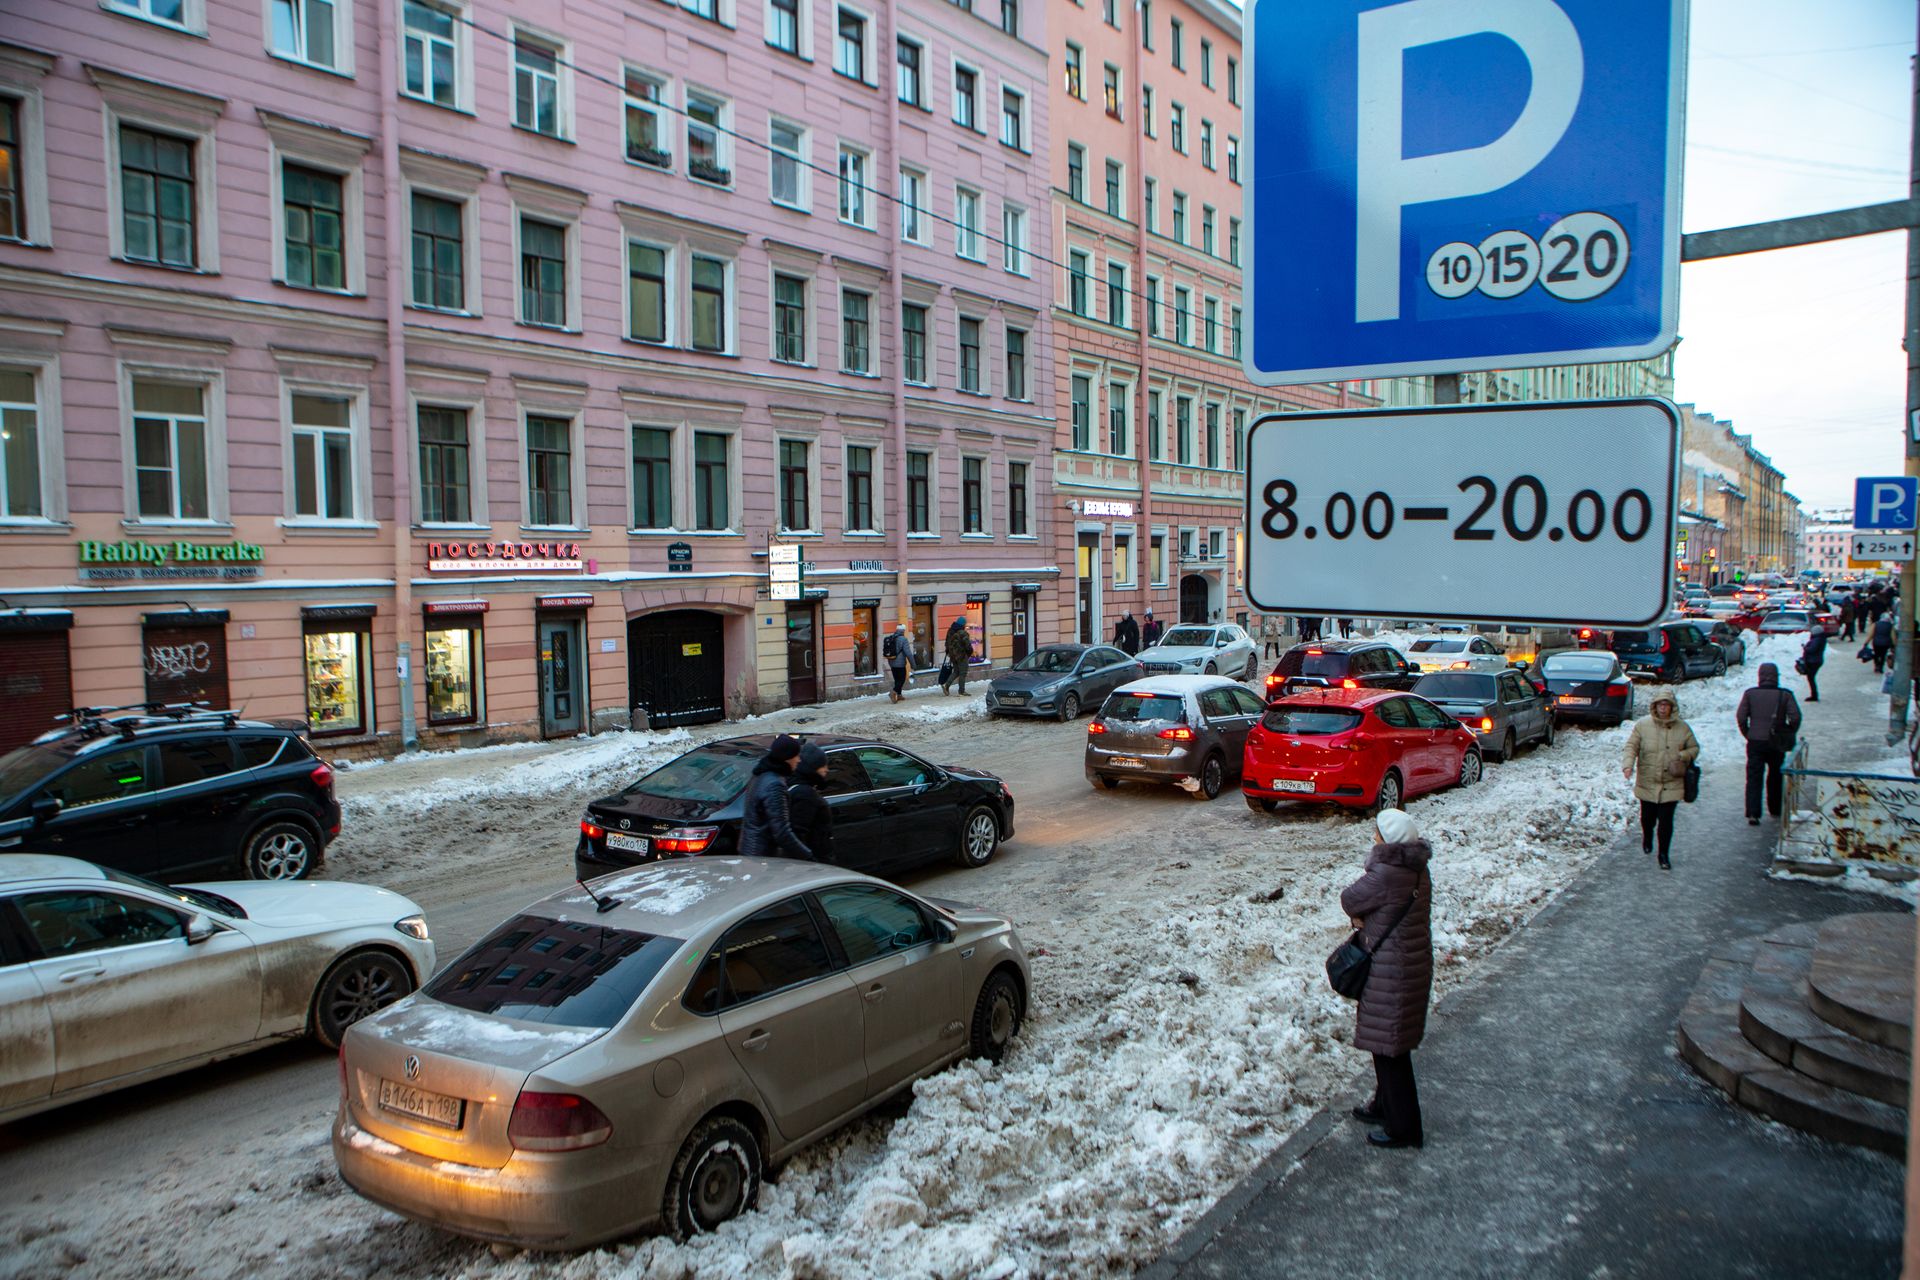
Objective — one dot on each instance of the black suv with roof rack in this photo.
(1341, 664)
(170, 792)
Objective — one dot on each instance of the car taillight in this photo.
(1665, 641)
(1486, 724)
(685, 839)
(556, 1122)
(1349, 684)
(591, 830)
(1618, 690)
(1274, 680)
(1180, 734)
(322, 776)
(1461, 666)
(1096, 727)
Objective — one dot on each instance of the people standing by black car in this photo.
(811, 815)
(1769, 720)
(766, 826)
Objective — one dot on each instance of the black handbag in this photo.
(1690, 784)
(1351, 961)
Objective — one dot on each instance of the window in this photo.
(769, 951)
(709, 284)
(913, 343)
(1180, 216)
(313, 206)
(1177, 122)
(1013, 236)
(1236, 331)
(1233, 81)
(1110, 89)
(783, 25)
(647, 292)
(1017, 499)
(1076, 172)
(322, 457)
(1010, 17)
(536, 85)
(794, 512)
(1183, 443)
(432, 38)
(966, 97)
(157, 198)
(1157, 559)
(1146, 110)
(1016, 364)
(909, 72)
(1210, 441)
(1175, 32)
(1154, 451)
(652, 478)
(71, 922)
(1146, 24)
(439, 253)
(649, 136)
(1117, 294)
(855, 206)
(1217, 550)
(20, 493)
(454, 669)
(860, 487)
(973, 514)
(1013, 118)
(866, 640)
(13, 212)
(1119, 397)
(1233, 241)
(789, 319)
(710, 480)
(1239, 459)
(549, 471)
(1077, 281)
(1206, 229)
(1183, 315)
(1206, 143)
(850, 44)
(856, 333)
(1211, 325)
(708, 152)
(969, 354)
(1076, 71)
(443, 466)
(966, 218)
(543, 273)
(919, 493)
(1150, 204)
(1110, 12)
(1233, 159)
(913, 206)
(1206, 63)
(170, 444)
(787, 164)
(1153, 306)
(1082, 398)
(304, 30)
(1116, 188)
(1122, 559)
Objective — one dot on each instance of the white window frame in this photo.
(982, 379)
(49, 421)
(872, 296)
(665, 127)
(920, 98)
(1146, 111)
(932, 452)
(360, 453)
(474, 404)
(956, 66)
(722, 10)
(193, 14)
(915, 216)
(1216, 544)
(562, 51)
(865, 194)
(1076, 72)
(1159, 531)
(1121, 186)
(809, 336)
(1013, 235)
(814, 468)
(1124, 556)
(802, 162)
(966, 233)
(670, 289)
(679, 460)
(327, 151)
(929, 364)
(454, 181)
(212, 382)
(1006, 363)
(731, 433)
(985, 532)
(1026, 487)
(1129, 427)
(723, 135)
(576, 463)
(1126, 292)
(463, 90)
(802, 33)
(342, 36)
(569, 220)
(183, 114)
(878, 504)
(729, 300)
(21, 71)
(869, 29)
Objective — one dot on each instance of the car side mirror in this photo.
(199, 929)
(945, 931)
(45, 807)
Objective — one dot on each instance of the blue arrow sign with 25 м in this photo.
(1452, 185)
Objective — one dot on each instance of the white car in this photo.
(108, 980)
(1221, 649)
(1456, 653)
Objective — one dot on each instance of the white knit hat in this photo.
(1395, 827)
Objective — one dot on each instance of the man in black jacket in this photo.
(1769, 720)
(766, 831)
(812, 815)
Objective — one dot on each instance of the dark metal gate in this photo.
(1193, 598)
(676, 668)
(185, 657)
(36, 678)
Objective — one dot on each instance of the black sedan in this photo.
(1589, 686)
(1059, 680)
(891, 809)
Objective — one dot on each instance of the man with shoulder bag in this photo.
(1769, 720)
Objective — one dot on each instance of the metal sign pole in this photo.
(1902, 692)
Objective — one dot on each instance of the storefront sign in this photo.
(168, 560)
(564, 602)
(335, 612)
(867, 566)
(1026, 588)
(926, 599)
(872, 602)
(979, 598)
(455, 606)
(1102, 507)
(679, 557)
(472, 557)
(783, 571)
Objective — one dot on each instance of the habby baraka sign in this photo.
(462, 557)
(144, 560)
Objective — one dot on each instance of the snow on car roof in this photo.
(1176, 684)
(17, 868)
(682, 894)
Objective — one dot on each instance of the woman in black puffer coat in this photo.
(1391, 905)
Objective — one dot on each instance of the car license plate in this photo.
(628, 844)
(1128, 762)
(1568, 700)
(1293, 784)
(434, 1108)
(1014, 699)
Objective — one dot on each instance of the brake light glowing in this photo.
(1314, 653)
(1486, 724)
(591, 830)
(556, 1122)
(1180, 734)
(1461, 666)
(1619, 690)
(1586, 633)
(686, 840)
(1096, 727)
(1349, 684)
(322, 776)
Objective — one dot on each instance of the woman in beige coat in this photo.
(1658, 751)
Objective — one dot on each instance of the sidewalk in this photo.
(1564, 1135)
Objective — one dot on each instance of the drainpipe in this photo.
(1141, 445)
(901, 590)
(397, 433)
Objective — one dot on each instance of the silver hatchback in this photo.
(1186, 730)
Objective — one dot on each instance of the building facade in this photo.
(1827, 544)
(448, 371)
(1739, 487)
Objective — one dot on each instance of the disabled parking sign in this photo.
(1454, 185)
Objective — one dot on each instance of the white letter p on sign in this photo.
(1387, 181)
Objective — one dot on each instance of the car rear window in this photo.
(1437, 646)
(1451, 685)
(1170, 707)
(1312, 662)
(1636, 640)
(1309, 722)
(1576, 666)
(257, 752)
(715, 774)
(566, 972)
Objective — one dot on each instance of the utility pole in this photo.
(1902, 692)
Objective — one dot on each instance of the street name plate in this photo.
(1535, 513)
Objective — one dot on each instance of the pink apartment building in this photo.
(454, 371)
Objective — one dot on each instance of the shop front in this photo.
(337, 644)
(560, 632)
(455, 666)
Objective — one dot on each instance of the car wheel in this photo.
(1546, 739)
(1470, 768)
(1389, 796)
(1069, 707)
(363, 983)
(1253, 667)
(1260, 804)
(1212, 670)
(996, 1017)
(715, 1178)
(1111, 784)
(279, 851)
(979, 837)
(1720, 664)
(1212, 775)
(1507, 746)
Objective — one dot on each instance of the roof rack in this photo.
(97, 722)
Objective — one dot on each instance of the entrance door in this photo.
(563, 677)
(1087, 598)
(676, 668)
(1193, 598)
(803, 680)
(1022, 625)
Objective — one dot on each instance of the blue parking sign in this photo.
(1453, 185)
(1885, 502)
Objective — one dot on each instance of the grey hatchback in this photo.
(1187, 730)
(1503, 709)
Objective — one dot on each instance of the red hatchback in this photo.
(1361, 748)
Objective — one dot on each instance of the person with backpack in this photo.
(898, 652)
(1769, 720)
(1391, 907)
(959, 656)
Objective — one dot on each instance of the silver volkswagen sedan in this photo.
(637, 1051)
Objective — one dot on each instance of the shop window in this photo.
(923, 636)
(866, 640)
(453, 671)
(339, 680)
(977, 627)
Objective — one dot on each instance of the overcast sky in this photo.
(1799, 106)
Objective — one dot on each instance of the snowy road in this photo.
(1181, 1026)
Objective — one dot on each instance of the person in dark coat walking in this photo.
(766, 828)
(812, 816)
(1769, 720)
(1391, 905)
(1846, 618)
(1882, 643)
(898, 651)
(1811, 659)
(959, 656)
(1151, 633)
(1126, 635)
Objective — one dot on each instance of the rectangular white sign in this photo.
(1535, 513)
(1879, 544)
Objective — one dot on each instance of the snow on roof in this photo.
(1702, 462)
